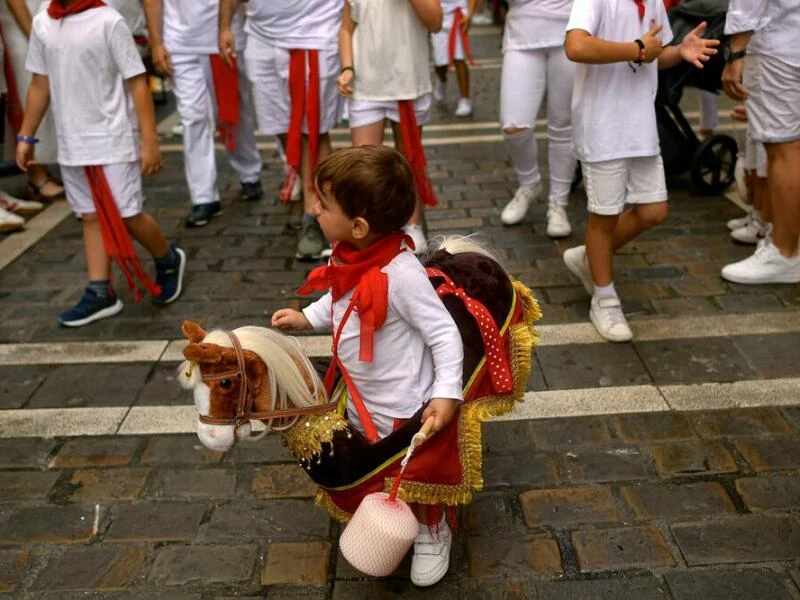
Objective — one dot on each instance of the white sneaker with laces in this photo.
(578, 265)
(438, 90)
(431, 555)
(9, 221)
(516, 210)
(765, 265)
(464, 107)
(740, 222)
(23, 208)
(417, 235)
(609, 320)
(558, 222)
(755, 230)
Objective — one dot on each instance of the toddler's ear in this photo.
(360, 228)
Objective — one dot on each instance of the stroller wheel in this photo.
(714, 165)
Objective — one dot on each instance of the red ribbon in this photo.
(458, 30)
(305, 103)
(495, 353)
(414, 152)
(641, 7)
(57, 10)
(226, 89)
(116, 239)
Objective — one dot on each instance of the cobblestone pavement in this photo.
(626, 503)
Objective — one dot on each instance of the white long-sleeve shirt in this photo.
(418, 354)
(776, 24)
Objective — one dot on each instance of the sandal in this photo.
(35, 191)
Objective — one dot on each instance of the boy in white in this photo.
(457, 19)
(614, 134)
(183, 36)
(415, 353)
(275, 29)
(74, 42)
(383, 48)
(534, 62)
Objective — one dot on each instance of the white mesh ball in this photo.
(379, 535)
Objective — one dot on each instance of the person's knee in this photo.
(651, 215)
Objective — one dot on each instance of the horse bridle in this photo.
(244, 408)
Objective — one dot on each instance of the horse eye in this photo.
(225, 384)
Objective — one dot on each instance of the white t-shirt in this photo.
(191, 26)
(418, 353)
(535, 24)
(613, 110)
(776, 24)
(132, 12)
(87, 58)
(296, 24)
(390, 51)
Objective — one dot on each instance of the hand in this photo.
(442, 409)
(696, 50)
(652, 44)
(162, 60)
(227, 47)
(466, 23)
(290, 320)
(150, 158)
(344, 81)
(25, 155)
(739, 113)
(732, 81)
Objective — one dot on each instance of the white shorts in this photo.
(367, 112)
(440, 42)
(773, 107)
(124, 179)
(268, 72)
(612, 184)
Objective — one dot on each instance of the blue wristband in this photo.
(26, 139)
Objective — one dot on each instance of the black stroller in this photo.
(712, 162)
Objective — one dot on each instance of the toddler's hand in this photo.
(442, 409)
(290, 320)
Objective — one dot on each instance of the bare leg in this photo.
(40, 179)
(367, 134)
(599, 246)
(416, 217)
(636, 220)
(462, 74)
(784, 195)
(761, 198)
(145, 230)
(98, 264)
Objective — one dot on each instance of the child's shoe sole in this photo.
(109, 311)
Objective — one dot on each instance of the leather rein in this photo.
(244, 408)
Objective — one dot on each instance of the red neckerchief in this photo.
(360, 269)
(226, 89)
(640, 5)
(57, 10)
(414, 152)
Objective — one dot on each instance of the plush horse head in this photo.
(250, 373)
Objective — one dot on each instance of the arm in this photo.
(472, 8)
(583, 47)
(153, 12)
(143, 103)
(227, 42)
(19, 10)
(429, 13)
(346, 30)
(35, 106)
(733, 71)
(316, 315)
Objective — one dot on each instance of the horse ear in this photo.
(203, 353)
(193, 331)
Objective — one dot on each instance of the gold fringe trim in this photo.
(304, 440)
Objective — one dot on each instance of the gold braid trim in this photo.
(323, 500)
(304, 440)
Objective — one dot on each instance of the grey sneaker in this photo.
(310, 242)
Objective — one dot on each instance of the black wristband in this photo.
(639, 43)
(347, 69)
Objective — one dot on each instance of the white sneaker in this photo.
(177, 129)
(578, 265)
(326, 252)
(464, 107)
(609, 320)
(297, 190)
(438, 90)
(516, 210)
(431, 555)
(765, 265)
(740, 222)
(9, 221)
(345, 109)
(417, 235)
(755, 230)
(23, 208)
(557, 222)
(483, 18)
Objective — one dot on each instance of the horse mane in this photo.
(461, 244)
(279, 353)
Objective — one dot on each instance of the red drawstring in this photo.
(226, 89)
(458, 30)
(414, 152)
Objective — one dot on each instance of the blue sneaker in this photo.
(90, 308)
(170, 278)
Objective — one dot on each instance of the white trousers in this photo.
(194, 92)
(526, 76)
(709, 110)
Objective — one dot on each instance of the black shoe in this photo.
(252, 191)
(201, 214)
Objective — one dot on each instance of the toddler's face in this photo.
(335, 224)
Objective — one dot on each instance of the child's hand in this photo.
(442, 409)
(162, 60)
(290, 320)
(344, 81)
(150, 158)
(25, 155)
(227, 47)
(694, 49)
(652, 44)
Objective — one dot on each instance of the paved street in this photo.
(667, 468)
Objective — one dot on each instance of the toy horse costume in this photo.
(254, 373)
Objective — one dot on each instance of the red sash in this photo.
(415, 153)
(226, 89)
(57, 10)
(457, 30)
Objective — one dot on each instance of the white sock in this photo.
(603, 292)
(524, 156)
